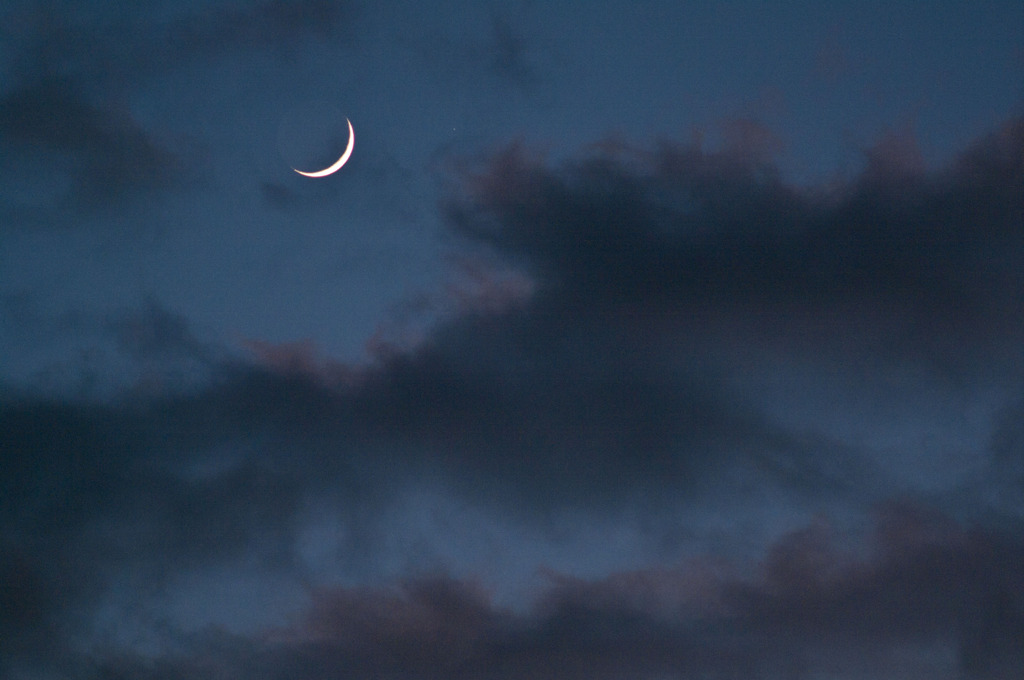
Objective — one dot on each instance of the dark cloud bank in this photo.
(622, 368)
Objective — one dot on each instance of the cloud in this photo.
(26, 603)
(146, 350)
(917, 258)
(260, 25)
(602, 356)
(930, 598)
(155, 332)
(99, 48)
(277, 195)
(65, 117)
(508, 53)
(496, 49)
(614, 367)
(103, 150)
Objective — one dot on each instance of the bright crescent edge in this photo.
(338, 163)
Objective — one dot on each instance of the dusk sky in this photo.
(637, 340)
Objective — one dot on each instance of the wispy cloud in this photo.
(103, 150)
(64, 109)
(931, 598)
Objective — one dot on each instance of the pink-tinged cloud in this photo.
(478, 287)
(928, 598)
(303, 359)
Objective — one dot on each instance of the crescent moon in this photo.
(338, 163)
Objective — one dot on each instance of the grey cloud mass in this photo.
(103, 150)
(616, 378)
(497, 400)
(696, 231)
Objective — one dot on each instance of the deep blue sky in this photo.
(635, 340)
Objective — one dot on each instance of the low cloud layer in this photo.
(929, 599)
(668, 335)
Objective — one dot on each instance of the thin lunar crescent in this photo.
(338, 163)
